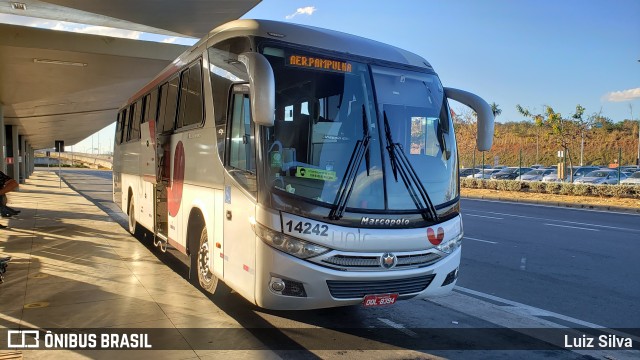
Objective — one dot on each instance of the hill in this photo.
(601, 144)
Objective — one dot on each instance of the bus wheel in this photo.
(132, 218)
(202, 263)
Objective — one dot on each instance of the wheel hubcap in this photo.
(203, 263)
(132, 218)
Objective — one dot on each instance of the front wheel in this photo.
(202, 262)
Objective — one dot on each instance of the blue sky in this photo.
(533, 53)
(527, 52)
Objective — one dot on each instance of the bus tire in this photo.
(200, 262)
(133, 224)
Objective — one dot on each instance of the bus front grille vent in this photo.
(368, 263)
(358, 289)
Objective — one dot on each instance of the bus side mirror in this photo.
(263, 87)
(482, 109)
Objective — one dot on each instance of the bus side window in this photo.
(191, 102)
(151, 106)
(145, 109)
(118, 139)
(168, 105)
(222, 76)
(125, 125)
(134, 128)
(241, 145)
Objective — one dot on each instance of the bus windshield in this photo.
(326, 106)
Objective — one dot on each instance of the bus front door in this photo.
(240, 198)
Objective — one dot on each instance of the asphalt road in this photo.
(585, 264)
(522, 267)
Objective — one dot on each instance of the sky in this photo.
(528, 52)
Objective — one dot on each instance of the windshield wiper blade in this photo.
(365, 133)
(360, 151)
(401, 164)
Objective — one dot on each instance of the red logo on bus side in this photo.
(434, 238)
(174, 192)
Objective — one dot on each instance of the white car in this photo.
(551, 177)
(603, 176)
(484, 175)
(534, 175)
(632, 180)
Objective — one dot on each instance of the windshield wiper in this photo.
(360, 151)
(400, 164)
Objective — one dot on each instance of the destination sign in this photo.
(317, 63)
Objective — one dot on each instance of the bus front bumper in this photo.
(316, 287)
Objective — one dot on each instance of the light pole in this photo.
(638, 158)
(582, 143)
(537, 152)
(631, 111)
(581, 146)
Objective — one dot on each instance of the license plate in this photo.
(379, 300)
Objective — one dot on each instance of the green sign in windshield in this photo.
(317, 174)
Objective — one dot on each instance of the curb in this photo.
(557, 204)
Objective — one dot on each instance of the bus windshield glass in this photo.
(419, 121)
(326, 108)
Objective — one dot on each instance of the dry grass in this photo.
(619, 204)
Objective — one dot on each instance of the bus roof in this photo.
(297, 34)
(319, 38)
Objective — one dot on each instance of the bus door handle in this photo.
(229, 216)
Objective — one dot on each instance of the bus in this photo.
(299, 167)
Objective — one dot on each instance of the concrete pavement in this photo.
(73, 267)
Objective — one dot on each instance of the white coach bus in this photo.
(301, 167)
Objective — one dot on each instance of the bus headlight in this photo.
(449, 246)
(294, 246)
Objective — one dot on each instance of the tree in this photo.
(466, 121)
(495, 109)
(582, 126)
(537, 121)
(560, 128)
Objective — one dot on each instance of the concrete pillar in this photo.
(27, 163)
(22, 158)
(3, 142)
(14, 140)
(32, 157)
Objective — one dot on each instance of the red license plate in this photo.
(379, 300)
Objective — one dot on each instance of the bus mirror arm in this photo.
(262, 83)
(482, 109)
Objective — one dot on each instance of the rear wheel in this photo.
(133, 224)
(201, 265)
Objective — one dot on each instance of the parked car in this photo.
(468, 171)
(534, 175)
(632, 180)
(631, 168)
(536, 166)
(551, 177)
(577, 172)
(484, 175)
(582, 171)
(510, 173)
(602, 176)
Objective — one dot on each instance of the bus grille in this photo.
(350, 262)
(359, 289)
